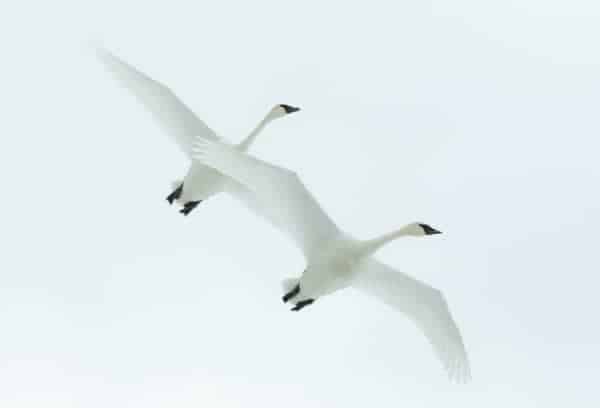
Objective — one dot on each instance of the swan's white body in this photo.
(176, 119)
(334, 259)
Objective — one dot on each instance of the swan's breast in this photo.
(202, 182)
(332, 270)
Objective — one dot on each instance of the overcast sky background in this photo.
(477, 117)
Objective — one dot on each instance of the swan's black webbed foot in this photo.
(189, 206)
(291, 294)
(175, 194)
(302, 304)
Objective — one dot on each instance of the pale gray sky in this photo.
(478, 118)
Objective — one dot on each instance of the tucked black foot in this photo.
(175, 194)
(189, 206)
(302, 304)
(291, 294)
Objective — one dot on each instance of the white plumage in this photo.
(177, 120)
(334, 259)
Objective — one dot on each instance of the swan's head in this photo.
(418, 229)
(281, 110)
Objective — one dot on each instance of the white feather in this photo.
(334, 260)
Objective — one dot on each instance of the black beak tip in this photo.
(289, 109)
(429, 230)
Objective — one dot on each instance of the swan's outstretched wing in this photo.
(171, 114)
(273, 192)
(425, 306)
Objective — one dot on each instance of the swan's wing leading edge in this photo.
(425, 306)
(274, 193)
(171, 114)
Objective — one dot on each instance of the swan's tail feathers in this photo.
(289, 284)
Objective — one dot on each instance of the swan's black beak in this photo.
(289, 109)
(428, 230)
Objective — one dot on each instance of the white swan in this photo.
(334, 259)
(183, 125)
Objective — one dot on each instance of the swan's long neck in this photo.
(368, 247)
(245, 144)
